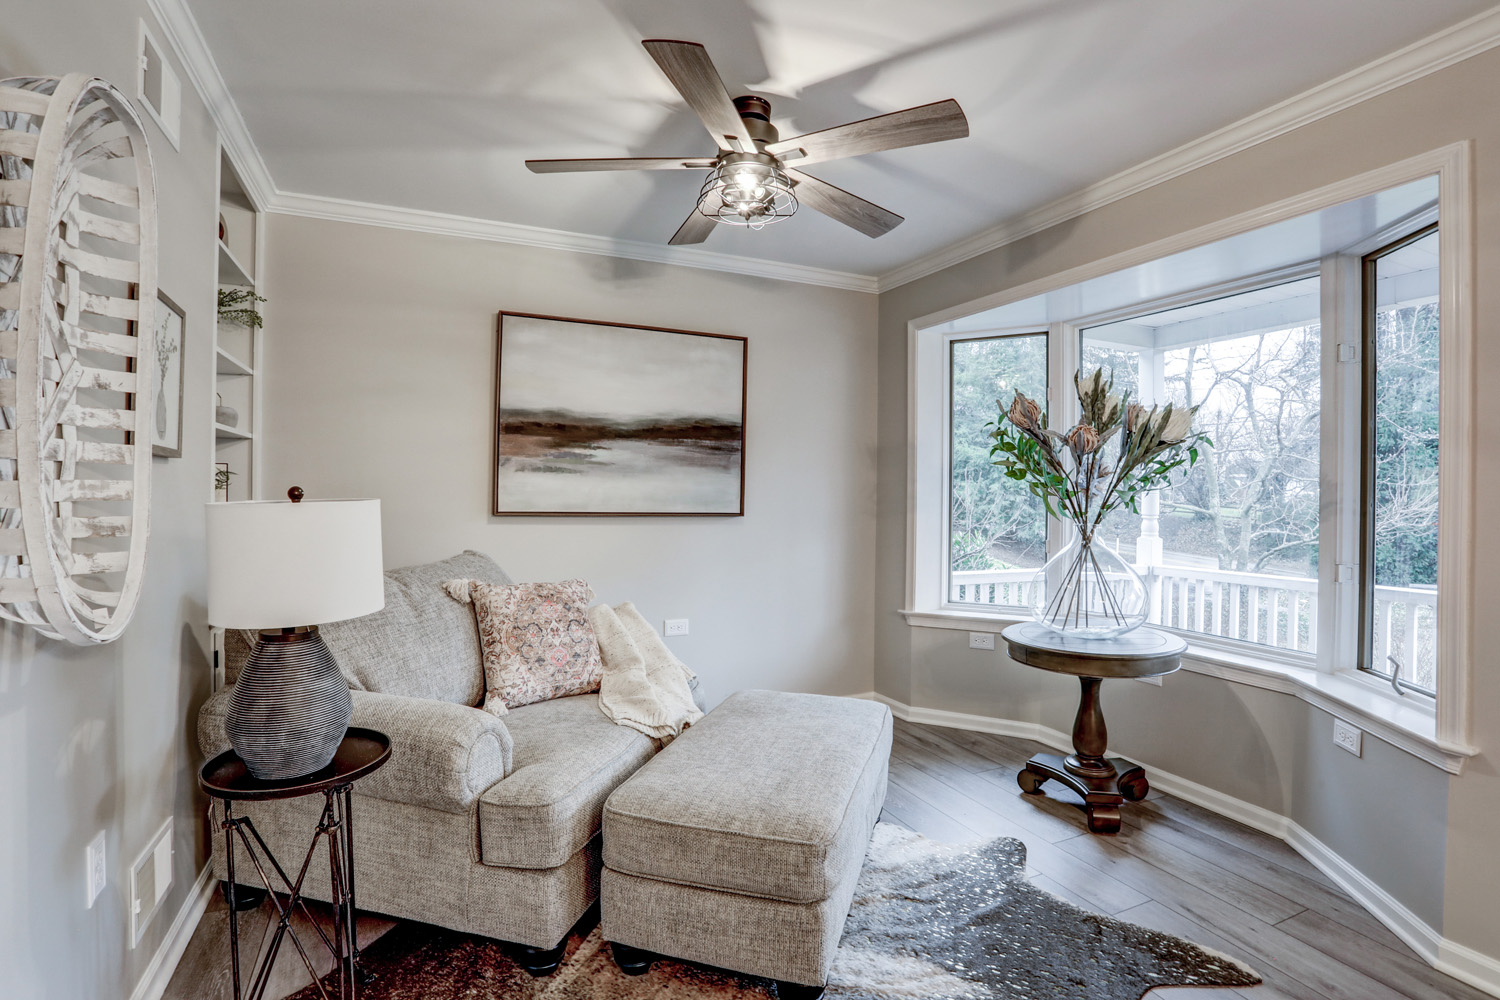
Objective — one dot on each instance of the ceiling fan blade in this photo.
(841, 206)
(912, 127)
(620, 163)
(687, 65)
(694, 229)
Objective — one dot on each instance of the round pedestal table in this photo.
(1104, 782)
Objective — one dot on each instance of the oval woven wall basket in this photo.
(77, 358)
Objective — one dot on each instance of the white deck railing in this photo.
(1276, 611)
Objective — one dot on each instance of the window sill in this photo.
(1402, 721)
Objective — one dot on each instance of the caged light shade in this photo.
(278, 563)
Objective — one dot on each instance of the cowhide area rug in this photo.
(929, 921)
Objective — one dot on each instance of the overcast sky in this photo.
(618, 372)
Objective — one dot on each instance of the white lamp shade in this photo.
(278, 564)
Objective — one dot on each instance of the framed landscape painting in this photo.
(597, 418)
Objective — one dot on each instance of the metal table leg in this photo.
(334, 825)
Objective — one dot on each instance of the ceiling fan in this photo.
(755, 177)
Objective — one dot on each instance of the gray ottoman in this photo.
(738, 846)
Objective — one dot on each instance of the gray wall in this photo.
(1382, 812)
(380, 383)
(98, 739)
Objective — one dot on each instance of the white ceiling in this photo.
(434, 106)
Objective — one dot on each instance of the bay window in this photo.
(1330, 382)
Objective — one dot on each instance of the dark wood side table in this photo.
(1104, 782)
(226, 779)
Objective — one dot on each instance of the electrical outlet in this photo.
(94, 868)
(981, 640)
(675, 626)
(1347, 737)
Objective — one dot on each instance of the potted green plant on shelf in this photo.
(1088, 590)
(222, 476)
(238, 306)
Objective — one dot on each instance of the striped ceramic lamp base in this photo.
(291, 706)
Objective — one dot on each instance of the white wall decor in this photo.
(79, 270)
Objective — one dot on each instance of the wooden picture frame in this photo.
(169, 341)
(600, 419)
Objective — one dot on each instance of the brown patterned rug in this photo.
(929, 922)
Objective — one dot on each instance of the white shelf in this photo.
(224, 433)
(230, 270)
(228, 364)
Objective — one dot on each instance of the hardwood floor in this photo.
(1174, 866)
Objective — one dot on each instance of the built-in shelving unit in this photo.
(237, 348)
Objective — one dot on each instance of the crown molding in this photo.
(191, 49)
(1428, 55)
(440, 223)
(1438, 51)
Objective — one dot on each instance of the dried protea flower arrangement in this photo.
(1081, 476)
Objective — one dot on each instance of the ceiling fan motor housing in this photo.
(755, 113)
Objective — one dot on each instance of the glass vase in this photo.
(1088, 591)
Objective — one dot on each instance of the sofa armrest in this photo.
(443, 756)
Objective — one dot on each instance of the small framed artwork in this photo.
(166, 422)
(596, 418)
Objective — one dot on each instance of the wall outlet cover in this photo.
(981, 640)
(1348, 737)
(95, 868)
(675, 626)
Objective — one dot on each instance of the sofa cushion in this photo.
(566, 758)
(535, 640)
(422, 644)
(772, 794)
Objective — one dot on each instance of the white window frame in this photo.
(1438, 734)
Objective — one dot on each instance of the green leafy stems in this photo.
(237, 305)
(1078, 475)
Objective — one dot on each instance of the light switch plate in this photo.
(675, 626)
(94, 868)
(981, 640)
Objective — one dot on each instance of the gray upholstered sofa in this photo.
(476, 823)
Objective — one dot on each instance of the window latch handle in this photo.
(1396, 675)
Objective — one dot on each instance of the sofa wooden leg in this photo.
(632, 961)
(797, 991)
(542, 961)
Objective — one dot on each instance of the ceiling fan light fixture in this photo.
(747, 189)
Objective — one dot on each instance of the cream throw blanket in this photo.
(645, 687)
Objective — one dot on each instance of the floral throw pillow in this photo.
(535, 638)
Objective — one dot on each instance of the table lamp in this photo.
(283, 568)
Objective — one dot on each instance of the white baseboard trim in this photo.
(1390, 911)
(153, 982)
(1473, 967)
(1459, 961)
